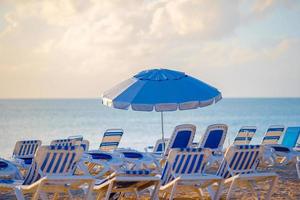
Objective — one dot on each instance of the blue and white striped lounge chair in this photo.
(135, 160)
(158, 150)
(160, 146)
(126, 182)
(111, 139)
(184, 171)
(245, 135)
(100, 164)
(72, 141)
(182, 137)
(286, 151)
(239, 168)
(24, 152)
(51, 171)
(271, 137)
(214, 137)
(273, 134)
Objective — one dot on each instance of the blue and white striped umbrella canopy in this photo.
(161, 90)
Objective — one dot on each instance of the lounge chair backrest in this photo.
(214, 137)
(65, 142)
(160, 145)
(188, 161)
(26, 148)
(240, 159)
(76, 137)
(53, 160)
(291, 136)
(111, 139)
(273, 134)
(72, 141)
(85, 144)
(245, 135)
(182, 137)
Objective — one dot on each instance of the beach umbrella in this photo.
(161, 90)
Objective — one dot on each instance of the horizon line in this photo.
(82, 98)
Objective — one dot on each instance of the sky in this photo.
(80, 48)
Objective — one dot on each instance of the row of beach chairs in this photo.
(68, 164)
(214, 138)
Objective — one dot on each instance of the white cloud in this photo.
(79, 48)
(200, 19)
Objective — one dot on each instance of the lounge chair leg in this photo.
(231, 189)
(37, 192)
(211, 191)
(19, 194)
(173, 191)
(89, 190)
(108, 191)
(136, 192)
(201, 193)
(35, 196)
(154, 194)
(298, 166)
(272, 185)
(216, 196)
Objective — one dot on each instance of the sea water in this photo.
(46, 120)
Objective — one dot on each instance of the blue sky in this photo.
(80, 48)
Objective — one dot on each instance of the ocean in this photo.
(48, 119)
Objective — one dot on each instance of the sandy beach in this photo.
(287, 188)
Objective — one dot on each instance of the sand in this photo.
(288, 187)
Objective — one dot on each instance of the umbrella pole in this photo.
(162, 129)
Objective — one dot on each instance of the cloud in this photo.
(200, 19)
(80, 48)
(253, 11)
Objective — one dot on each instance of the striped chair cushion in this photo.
(182, 137)
(63, 142)
(53, 160)
(214, 136)
(244, 135)
(240, 159)
(190, 161)
(160, 145)
(72, 142)
(111, 139)
(26, 148)
(273, 135)
(32, 174)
